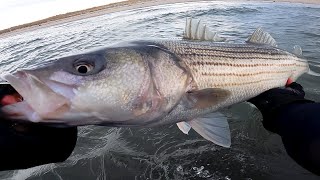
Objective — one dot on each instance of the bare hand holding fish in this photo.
(149, 83)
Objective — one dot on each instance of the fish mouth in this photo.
(41, 99)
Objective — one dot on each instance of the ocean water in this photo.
(165, 152)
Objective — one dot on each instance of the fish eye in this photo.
(84, 68)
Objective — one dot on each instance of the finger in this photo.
(296, 89)
(295, 86)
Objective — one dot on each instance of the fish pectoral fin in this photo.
(259, 36)
(213, 127)
(184, 127)
(195, 30)
(206, 98)
(297, 50)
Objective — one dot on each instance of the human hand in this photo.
(270, 102)
(22, 142)
(278, 96)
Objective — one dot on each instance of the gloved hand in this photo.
(272, 101)
(25, 145)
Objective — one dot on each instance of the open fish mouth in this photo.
(39, 100)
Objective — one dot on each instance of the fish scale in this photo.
(245, 70)
(212, 65)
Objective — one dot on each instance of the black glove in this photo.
(272, 101)
(28, 145)
(25, 144)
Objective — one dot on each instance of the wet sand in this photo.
(100, 10)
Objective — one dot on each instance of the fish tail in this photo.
(298, 52)
(314, 64)
(312, 73)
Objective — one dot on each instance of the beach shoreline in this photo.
(114, 7)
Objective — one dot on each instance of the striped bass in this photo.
(150, 83)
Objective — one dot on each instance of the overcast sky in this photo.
(16, 12)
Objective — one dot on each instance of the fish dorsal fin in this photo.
(259, 36)
(195, 30)
(206, 98)
(297, 50)
(213, 127)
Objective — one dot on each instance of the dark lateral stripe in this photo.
(234, 50)
(241, 84)
(243, 74)
(232, 56)
(196, 45)
(201, 63)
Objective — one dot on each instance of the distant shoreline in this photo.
(109, 8)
